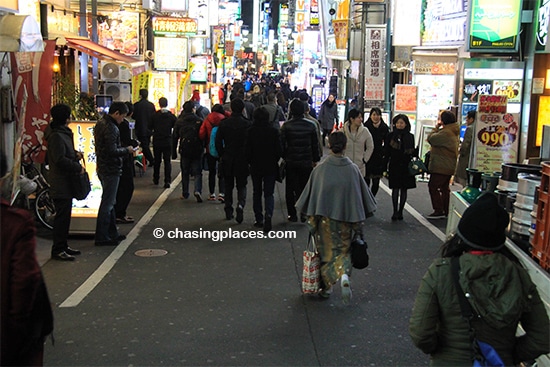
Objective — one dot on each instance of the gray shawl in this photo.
(337, 190)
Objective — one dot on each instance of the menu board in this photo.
(171, 53)
(83, 136)
(435, 92)
(496, 140)
(405, 97)
(120, 32)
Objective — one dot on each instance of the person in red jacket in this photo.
(26, 311)
(213, 119)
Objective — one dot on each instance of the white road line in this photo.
(97, 276)
(419, 217)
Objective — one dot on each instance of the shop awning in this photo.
(20, 33)
(103, 53)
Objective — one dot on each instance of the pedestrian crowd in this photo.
(272, 134)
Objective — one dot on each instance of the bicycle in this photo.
(32, 181)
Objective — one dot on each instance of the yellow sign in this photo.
(83, 135)
(543, 118)
(140, 81)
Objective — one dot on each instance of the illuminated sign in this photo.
(494, 25)
(543, 21)
(164, 26)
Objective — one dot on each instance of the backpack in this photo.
(190, 144)
(212, 146)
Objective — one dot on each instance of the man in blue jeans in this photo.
(109, 156)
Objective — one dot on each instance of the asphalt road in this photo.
(235, 302)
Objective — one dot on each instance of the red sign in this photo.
(32, 83)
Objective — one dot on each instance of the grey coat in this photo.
(336, 190)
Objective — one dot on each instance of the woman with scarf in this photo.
(336, 200)
(328, 115)
(398, 152)
(379, 130)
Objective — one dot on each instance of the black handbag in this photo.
(81, 185)
(359, 254)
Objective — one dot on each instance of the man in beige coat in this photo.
(443, 154)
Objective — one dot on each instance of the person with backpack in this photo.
(276, 113)
(200, 110)
(207, 133)
(191, 148)
(230, 144)
(161, 126)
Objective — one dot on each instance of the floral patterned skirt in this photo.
(333, 239)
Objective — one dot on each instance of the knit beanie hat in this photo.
(483, 224)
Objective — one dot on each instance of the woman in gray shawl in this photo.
(336, 201)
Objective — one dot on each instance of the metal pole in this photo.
(84, 87)
(387, 78)
(361, 99)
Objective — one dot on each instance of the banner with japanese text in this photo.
(375, 65)
(32, 82)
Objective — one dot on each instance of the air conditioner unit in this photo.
(114, 72)
(120, 91)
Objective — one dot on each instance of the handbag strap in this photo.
(311, 243)
(465, 307)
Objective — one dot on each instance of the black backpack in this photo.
(190, 144)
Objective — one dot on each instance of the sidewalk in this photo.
(234, 302)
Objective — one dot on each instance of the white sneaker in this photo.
(346, 289)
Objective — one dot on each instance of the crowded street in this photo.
(235, 302)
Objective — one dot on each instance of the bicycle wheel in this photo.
(44, 208)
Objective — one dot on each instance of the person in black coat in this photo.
(375, 166)
(64, 163)
(161, 126)
(125, 189)
(230, 143)
(398, 152)
(263, 151)
(109, 155)
(300, 152)
(143, 113)
(191, 148)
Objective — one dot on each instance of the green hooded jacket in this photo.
(501, 293)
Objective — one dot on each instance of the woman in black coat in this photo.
(375, 166)
(398, 152)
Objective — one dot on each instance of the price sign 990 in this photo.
(497, 138)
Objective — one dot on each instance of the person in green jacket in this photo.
(499, 290)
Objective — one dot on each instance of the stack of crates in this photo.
(541, 240)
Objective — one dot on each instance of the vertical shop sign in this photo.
(140, 81)
(375, 67)
(32, 81)
(83, 137)
(543, 23)
(543, 118)
(314, 13)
